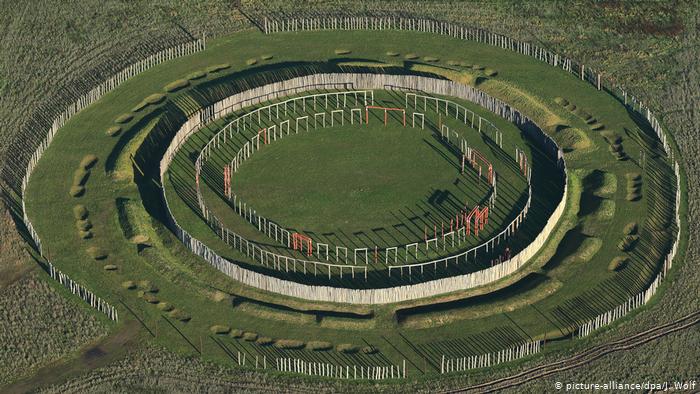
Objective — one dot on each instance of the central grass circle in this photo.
(355, 178)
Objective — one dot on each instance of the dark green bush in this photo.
(176, 85)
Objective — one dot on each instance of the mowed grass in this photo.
(185, 282)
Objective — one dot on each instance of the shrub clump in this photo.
(342, 51)
(631, 228)
(236, 333)
(176, 85)
(218, 67)
(114, 131)
(76, 191)
(88, 161)
(80, 212)
(250, 336)
(289, 344)
(219, 329)
(251, 62)
(124, 118)
(347, 348)
(96, 253)
(617, 263)
(264, 341)
(319, 345)
(196, 75)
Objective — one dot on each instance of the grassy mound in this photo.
(85, 234)
(342, 51)
(129, 285)
(196, 75)
(250, 336)
(165, 306)
(489, 72)
(627, 243)
(236, 333)
(96, 253)
(264, 341)
(431, 59)
(80, 177)
(289, 344)
(83, 224)
(597, 126)
(179, 314)
(147, 286)
(124, 118)
(631, 228)
(266, 57)
(319, 345)
(411, 56)
(369, 349)
(617, 263)
(76, 191)
(113, 131)
(217, 67)
(219, 329)
(478, 67)
(150, 298)
(88, 161)
(611, 137)
(110, 267)
(561, 101)
(251, 62)
(80, 212)
(347, 348)
(176, 85)
(392, 53)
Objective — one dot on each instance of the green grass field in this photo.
(573, 274)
